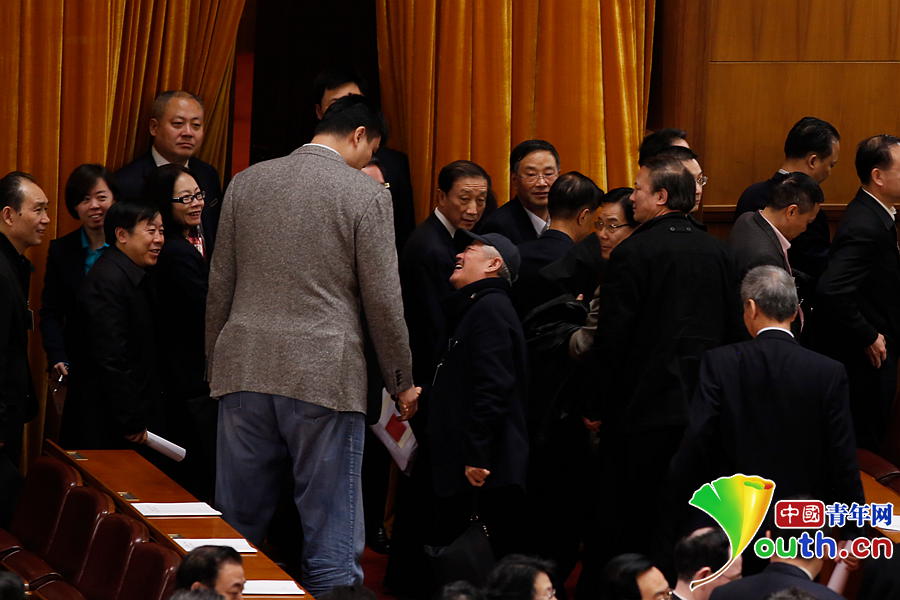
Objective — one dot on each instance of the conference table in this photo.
(128, 477)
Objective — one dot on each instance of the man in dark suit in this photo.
(119, 396)
(476, 415)
(770, 407)
(764, 237)
(781, 574)
(669, 295)
(332, 84)
(176, 126)
(571, 204)
(697, 556)
(860, 291)
(654, 143)
(23, 222)
(812, 146)
(533, 167)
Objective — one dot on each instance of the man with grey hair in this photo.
(770, 407)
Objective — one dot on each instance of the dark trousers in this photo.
(10, 478)
(872, 393)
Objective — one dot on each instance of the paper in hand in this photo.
(165, 447)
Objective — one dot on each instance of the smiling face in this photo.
(26, 227)
(143, 244)
(464, 204)
(178, 134)
(533, 178)
(187, 215)
(473, 264)
(92, 209)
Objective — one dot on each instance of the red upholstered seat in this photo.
(150, 574)
(117, 535)
(82, 511)
(39, 507)
(57, 590)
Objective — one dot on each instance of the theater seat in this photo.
(150, 574)
(83, 509)
(882, 470)
(57, 590)
(40, 504)
(117, 535)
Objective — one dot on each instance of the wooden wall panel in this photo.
(812, 30)
(737, 75)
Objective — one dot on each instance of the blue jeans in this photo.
(259, 435)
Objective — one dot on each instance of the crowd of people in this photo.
(573, 364)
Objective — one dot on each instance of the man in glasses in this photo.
(533, 167)
(177, 121)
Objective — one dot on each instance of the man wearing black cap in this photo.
(476, 419)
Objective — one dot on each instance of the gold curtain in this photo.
(472, 78)
(80, 76)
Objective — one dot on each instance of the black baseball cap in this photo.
(508, 251)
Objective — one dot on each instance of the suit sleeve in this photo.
(105, 305)
(493, 376)
(379, 289)
(52, 311)
(848, 267)
(8, 312)
(424, 288)
(222, 274)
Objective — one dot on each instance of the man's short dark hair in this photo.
(198, 594)
(656, 142)
(619, 577)
(459, 590)
(349, 592)
(202, 564)
(622, 197)
(874, 153)
(571, 193)
(457, 170)
(158, 108)
(514, 576)
(349, 112)
(773, 290)
(11, 192)
(810, 135)
(335, 77)
(678, 152)
(668, 173)
(704, 549)
(525, 148)
(82, 181)
(126, 215)
(797, 188)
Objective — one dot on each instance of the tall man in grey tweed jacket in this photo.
(305, 245)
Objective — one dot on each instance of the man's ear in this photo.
(702, 573)
(197, 586)
(154, 126)
(876, 177)
(320, 112)
(583, 216)
(494, 265)
(7, 215)
(792, 211)
(663, 198)
(358, 134)
(121, 235)
(812, 160)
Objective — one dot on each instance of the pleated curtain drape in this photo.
(79, 78)
(472, 78)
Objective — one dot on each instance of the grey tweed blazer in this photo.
(305, 245)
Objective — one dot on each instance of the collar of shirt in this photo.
(890, 209)
(324, 146)
(785, 244)
(808, 574)
(783, 172)
(446, 223)
(90, 255)
(134, 273)
(540, 225)
(787, 331)
(160, 160)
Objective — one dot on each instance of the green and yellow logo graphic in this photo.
(738, 504)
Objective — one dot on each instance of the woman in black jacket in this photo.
(181, 278)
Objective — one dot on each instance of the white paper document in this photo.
(274, 587)
(239, 544)
(396, 435)
(176, 509)
(165, 447)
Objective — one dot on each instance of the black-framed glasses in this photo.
(188, 198)
(600, 226)
(534, 178)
